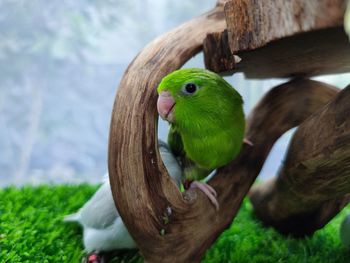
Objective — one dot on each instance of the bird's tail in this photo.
(72, 217)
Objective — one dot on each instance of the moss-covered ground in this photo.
(31, 230)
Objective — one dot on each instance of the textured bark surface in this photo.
(140, 184)
(284, 38)
(217, 53)
(252, 24)
(315, 53)
(314, 183)
(138, 178)
(144, 192)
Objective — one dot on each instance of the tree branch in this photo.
(280, 39)
(139, 181)
(314, 182)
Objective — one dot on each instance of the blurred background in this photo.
(60, 65)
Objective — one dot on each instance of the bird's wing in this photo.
(177, 148)
(175, 143)
(170, 162)
(100, 211)
(191, 170)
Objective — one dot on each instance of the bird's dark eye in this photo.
(190, 88)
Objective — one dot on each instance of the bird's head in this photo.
(195, 96)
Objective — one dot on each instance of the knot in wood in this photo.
(190, 196)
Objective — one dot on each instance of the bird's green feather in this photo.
(208, 126)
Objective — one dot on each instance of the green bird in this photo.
(206, 123)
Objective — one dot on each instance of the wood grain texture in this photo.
(314, 53)
(314, 183)
(319, 52)
(252, 23)
(138, 178)
(140, 184)
(280, 39)
(217, 53)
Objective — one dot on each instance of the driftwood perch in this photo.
(140, 184)
(144, 192)
(293, 38)
(278, 38)
(138, 178)
(313, 184)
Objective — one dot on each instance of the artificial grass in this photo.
(31, 230)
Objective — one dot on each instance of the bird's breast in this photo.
(211, 152)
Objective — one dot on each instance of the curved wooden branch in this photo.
(139, 182)
(284, 38)
(252, 24)
(138, 177)
(314, 183)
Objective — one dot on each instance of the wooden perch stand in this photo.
(313, 184)
(274, 39)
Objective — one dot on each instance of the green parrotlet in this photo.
(206, 123)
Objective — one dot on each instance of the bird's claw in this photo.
(93, 257)
(208, 191)
(246, 141)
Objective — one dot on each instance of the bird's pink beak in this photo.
(165, 106)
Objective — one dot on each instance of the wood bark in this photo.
(143, 191)
(284, 39)
(314, 53)
(217, 53)
(140, 184)
(314, 182)
(252, 24)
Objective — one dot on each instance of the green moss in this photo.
(247, 241)
(31, 225)
(31, 230)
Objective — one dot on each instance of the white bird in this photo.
(103, 228)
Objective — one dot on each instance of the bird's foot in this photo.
(246, 141)
(93, 257)
(207, 190)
